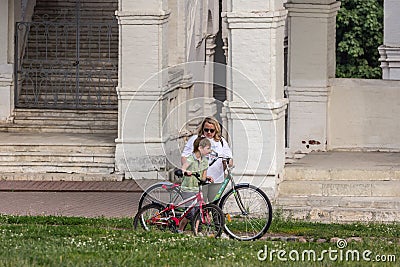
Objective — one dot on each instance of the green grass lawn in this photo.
(62, 241)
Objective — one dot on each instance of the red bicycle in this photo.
(208, 219)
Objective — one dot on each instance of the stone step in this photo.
(56, 167)
(44, 5)
(67, 114)
(46, 157)
(32, 128)
(54, 149)
(341, 188)
(71, 5)
(68, 17)
(63, 121)
(38, 176)
(90, 122)
(341, 215)
(58, 80)
(52, 142)
(49, 98)
(90, 53)
(86, 44)
(56, 153)
(67, 103)
(60, 59)
(86, 95)
(96, 12)
(54, 56)
(307, 174)
(349, 202)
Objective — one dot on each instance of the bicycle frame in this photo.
(197, 199)
(229, 178)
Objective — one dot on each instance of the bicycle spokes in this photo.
(208, 222)
(248, 213)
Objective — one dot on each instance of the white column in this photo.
(142, 57)
(311, 63)
(6, 68)
(255, 106)
(210, 107)
(390, 50)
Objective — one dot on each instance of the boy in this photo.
(196, 162)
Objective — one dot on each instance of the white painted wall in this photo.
(364, 115)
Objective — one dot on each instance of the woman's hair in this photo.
(213, 121)
(200, 141)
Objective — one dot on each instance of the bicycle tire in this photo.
(214, 222)
(157, 194)
(252, 224)
(144, 215)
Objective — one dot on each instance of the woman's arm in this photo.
(227, 152)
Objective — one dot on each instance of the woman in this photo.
(211, 130)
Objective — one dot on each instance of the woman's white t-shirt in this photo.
(216, 170)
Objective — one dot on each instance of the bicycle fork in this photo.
(239, 202)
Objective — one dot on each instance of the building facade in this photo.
(264, 68)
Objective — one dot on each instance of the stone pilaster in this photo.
(255, 106)
(141, 84)
(6, 69)
(311, 63)
(210, 108)
(390, 50)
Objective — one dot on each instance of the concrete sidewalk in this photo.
(76, 186)
(71, 198)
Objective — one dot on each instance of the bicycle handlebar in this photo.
(179, 173)
(216, 157)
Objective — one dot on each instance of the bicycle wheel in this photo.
(213, 221)
(248, 212)
(157, 194)
(150, 218)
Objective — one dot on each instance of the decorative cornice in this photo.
(255, 20)
(308, 94)
(142, 17)
(261, 111)
(132, 94)
(390, 56)
(313, 10)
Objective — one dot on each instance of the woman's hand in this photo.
(209, 178)
(230, 163)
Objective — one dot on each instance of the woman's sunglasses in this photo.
(209, 130)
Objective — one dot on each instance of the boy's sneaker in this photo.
(180, 231)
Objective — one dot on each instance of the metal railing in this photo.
(66, 65)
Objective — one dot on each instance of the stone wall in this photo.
(364, 115)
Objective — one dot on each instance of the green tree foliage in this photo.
(359, 32)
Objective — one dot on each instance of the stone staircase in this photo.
(103, 122)
(69, 145)
(57, 157)
(65, 121)
(342, 187)
(54, 72)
